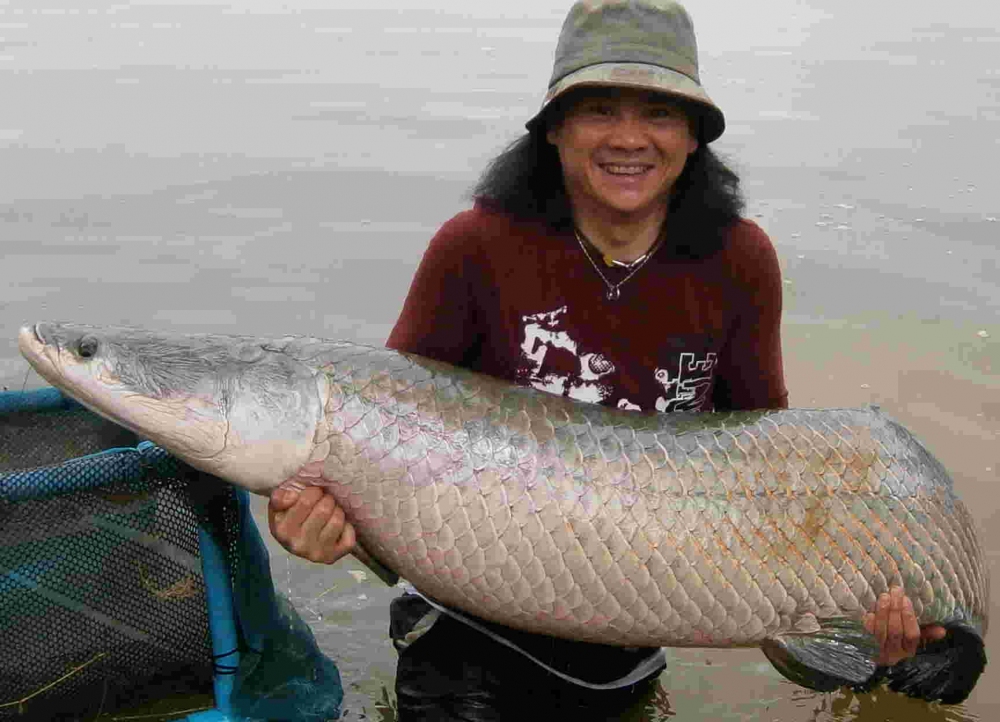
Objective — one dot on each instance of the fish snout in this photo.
(33, 334)
(69, 343)
(32, 340)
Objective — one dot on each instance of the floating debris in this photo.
(787, 282)
(821, 223)
(363, 597)
(918, 220)
(842, 227)
(983, 334)
(865, 386)
(359, 576)
(991, 219)
(845, 206)
(800, 257)
(796, 235)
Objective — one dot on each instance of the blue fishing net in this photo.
(102, 593)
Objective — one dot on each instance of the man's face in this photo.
(621, 151)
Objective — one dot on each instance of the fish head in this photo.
(236, 407)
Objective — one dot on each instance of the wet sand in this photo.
(287, 179)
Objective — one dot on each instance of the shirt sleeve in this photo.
(750, 371)
(438, 318)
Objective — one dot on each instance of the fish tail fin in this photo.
(945, 670)
(840, 654)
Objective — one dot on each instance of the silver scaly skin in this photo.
(768, 528)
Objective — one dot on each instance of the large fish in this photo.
(775, 529)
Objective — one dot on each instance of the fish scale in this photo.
(773, 528)
(740, 462)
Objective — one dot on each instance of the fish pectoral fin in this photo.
(377, 568)
(841, 653)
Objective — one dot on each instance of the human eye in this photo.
(597, 108)
(663, 112)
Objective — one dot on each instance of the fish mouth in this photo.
(31, 339)
(40, 345)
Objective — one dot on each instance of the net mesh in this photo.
(102, 598)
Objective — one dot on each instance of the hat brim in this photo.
(712, 122)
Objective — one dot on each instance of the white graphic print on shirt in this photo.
(552, 361)
(689, 388)
(541, 335)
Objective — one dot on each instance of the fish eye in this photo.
(87, 347)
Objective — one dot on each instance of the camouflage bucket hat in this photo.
(647, 44)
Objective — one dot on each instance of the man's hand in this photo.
(309, 524)
(895, 626)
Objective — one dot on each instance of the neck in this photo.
(621, 239)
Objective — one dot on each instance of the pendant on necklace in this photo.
(613, 294)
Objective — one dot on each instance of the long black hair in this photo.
(525, 181)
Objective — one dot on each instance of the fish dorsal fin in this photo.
(841, 652)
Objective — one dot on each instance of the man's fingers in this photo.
(281, 499)
(344, 544)
(337, 538)
(882, 619)
(911, 628)
(297, 514)
(313, 527)
(319, 515)
(332, 524)
(894, 626)
(286, 526)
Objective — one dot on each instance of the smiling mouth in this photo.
(625, 169)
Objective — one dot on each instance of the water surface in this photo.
(270, 167)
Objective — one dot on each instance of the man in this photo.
(605, 259)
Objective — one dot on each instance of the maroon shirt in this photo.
(515, 300)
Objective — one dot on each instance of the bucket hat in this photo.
(647, 44)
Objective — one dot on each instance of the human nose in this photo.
(627, 132)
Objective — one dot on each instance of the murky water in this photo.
(278, 167)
